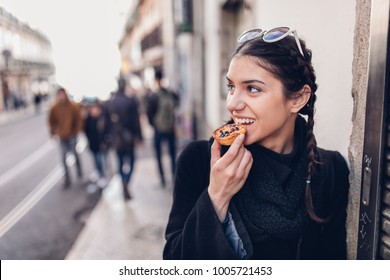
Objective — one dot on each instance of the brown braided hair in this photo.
(285, 62)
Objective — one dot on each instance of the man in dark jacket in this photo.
(126, 128)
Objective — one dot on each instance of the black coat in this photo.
(96, 129)
(125, 108)
(195, 232)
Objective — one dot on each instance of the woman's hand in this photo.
(228, 174)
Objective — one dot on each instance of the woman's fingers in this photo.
(230, 168)
(235, 163)
(215, 152)
(232, 155)
(237, 143)
(238, 170)
(245, 165)
(234, 150)
(228, 173)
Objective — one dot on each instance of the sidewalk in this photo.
(7, 117)
(127, 230)
(12, 115)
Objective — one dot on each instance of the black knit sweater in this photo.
(195, 232)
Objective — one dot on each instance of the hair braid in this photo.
(311, 169)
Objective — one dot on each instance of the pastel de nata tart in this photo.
(226, 134)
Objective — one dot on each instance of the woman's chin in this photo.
(248, 141)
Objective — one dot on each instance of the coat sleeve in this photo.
(194, 230)
(333, 244)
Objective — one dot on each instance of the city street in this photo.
(39, 219)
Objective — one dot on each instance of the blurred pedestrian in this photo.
(161, 115)
(96, 129)
(126, 128)
(6, 94)
(37, 102)
(65, 122)
(272, 194)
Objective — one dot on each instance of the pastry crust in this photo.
(226, 134)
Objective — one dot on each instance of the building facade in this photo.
(25, 62)
(159, 35)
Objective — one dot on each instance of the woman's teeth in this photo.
(245, 121)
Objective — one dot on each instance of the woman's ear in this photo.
(300, 99)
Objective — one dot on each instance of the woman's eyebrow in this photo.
(252, 81)
(248, 81)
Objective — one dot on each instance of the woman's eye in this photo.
(230, 88)
(253, 89)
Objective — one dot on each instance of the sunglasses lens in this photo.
(276, 33)
(249, 35)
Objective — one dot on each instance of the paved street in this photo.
(38, 218)
(41, 220)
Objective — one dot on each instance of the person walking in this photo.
(161, 115)
(65, 122)
(272, 194)
(124, 116)
(37, 102)
(97, 129)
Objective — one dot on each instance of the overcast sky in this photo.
(84, 36)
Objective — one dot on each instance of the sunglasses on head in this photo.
(270, 36)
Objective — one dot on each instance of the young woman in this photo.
(273, 194)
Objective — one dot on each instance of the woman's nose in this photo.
(235, 102)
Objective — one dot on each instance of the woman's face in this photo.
(255, 98)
